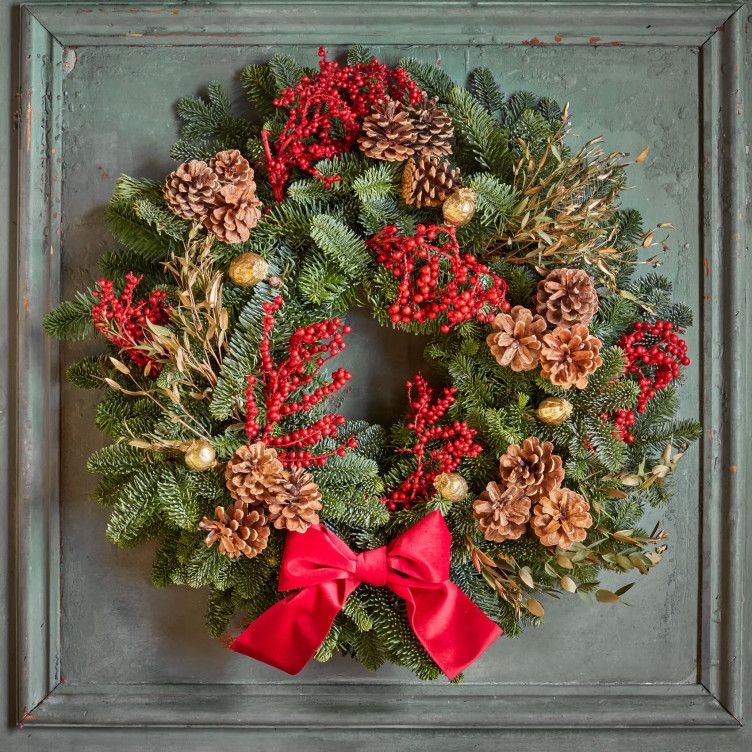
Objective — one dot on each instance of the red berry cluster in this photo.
(436, 278)
(314, 344)
(124, 322)
(325, 113)
(654, 353)
(456, 439)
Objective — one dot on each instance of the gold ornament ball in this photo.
(200, 456)
(451, 486)
(248, 269)
(459, 208)
(553, 411)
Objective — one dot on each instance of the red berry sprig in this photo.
(436, 278)
(456, 442)
(313, 344)
(325, 114)
(654, 355)
(125, 322)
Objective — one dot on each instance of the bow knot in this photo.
(371, 566)
(324, 571)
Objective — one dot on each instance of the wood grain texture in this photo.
(478, 711)
(376, 22)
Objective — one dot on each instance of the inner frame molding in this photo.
(50, 34)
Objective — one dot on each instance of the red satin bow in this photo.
(324, 571)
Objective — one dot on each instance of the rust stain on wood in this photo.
(28, 123)
(706, 266)
(558, 38)
(732, 468)
(534, 42)
(593, 40)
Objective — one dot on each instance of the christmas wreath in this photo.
(457, 213)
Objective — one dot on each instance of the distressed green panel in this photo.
(672, 659)
(115, 123)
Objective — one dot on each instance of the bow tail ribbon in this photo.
(324, 571)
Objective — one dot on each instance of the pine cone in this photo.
(232, 168)
(238, 530)
(387, 133)
(294, 502)
(502, 513)
(236, 214)
(516, 342)
(428, 180)
(191, 189)
(251, 472)
(532, 466)
(566, 297)
(561, 518)
(569, 356)
(432, 126)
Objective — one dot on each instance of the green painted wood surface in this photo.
(105, 135)
(109, 76)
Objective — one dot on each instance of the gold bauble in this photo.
(459, 208)
(553, 411)
(200, 456)
(451, 486)
(248, 269)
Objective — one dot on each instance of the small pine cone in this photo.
(191, 189)
(433, 127)
(502, 513)
(238, 530)
(532, 466)
(569, 356)
(561, 518)
(566, 297)
(516, 342)
(232, 168)
(251, 472)
(237, 212)
(294, 502)
(387, 133)
(428, 181)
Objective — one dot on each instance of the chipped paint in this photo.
(28, 123)
(69, 59)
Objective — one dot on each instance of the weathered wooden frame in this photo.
(718, 32)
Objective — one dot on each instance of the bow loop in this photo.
(371, 566)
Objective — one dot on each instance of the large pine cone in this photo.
(569, 356)
(502, 513)
(237, 212)
(532, 466)
(294, 502)
(516, 342)
(232, 168)
(433, 127)
(561, 518)
(387, 133)
(191, 189)
(238, 530)
(566, 297)
(251, 472)
(428, 181)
